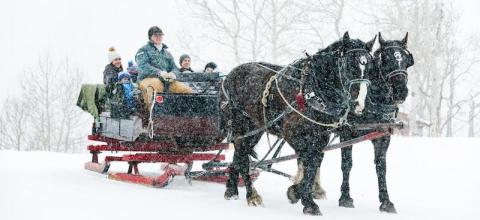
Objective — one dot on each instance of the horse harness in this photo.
(315, 100)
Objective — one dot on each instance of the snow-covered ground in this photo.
(428, 179)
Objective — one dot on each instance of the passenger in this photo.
(185, 63)
(133, 71)
(113, 67)
(128, 92)
(156, 65)
(210, 67)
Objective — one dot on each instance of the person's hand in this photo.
(168, 76)
(161, 74)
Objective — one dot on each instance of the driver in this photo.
(156, 66)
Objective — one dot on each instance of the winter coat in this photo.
(186, 70)
(152, 61)
(128, 92)
(110, 74)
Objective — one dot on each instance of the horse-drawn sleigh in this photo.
(340, 90)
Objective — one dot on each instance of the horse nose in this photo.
(359, 108)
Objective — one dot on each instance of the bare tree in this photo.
(325, 15)
(68, 133)
(439, 61)
(252, 30)
(282, 20)
(38, 85)
(226, 23)
(44, 116)
(13, 128)
(3, 134)
(473, 113)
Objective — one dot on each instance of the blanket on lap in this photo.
(92, 99)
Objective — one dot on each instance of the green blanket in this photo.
(92, 99)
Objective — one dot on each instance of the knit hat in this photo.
(154, 30)
(112, 54)
(184, 56)
(132, 67)
(123, 74)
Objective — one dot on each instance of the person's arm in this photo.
(105, 75)
(109, 75)
(143, 61)
(172, 66)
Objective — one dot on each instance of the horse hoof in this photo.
(319, 192)
(255, 199)
(388, 207)
(233, 197)
(346, 202)
(320, 195)
(312, 210)
(230, 195)
(292, 194)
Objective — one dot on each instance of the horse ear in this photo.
(380, 39)
(346, 38)
(405, 40)
(371, 43)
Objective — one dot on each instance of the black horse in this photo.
(261, 97)
(388, 90)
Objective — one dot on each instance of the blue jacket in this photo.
(151, 61)
(128, 99)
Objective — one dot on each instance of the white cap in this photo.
(112, 54)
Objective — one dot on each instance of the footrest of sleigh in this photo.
(154, 181)
(97, 167)
(221, 176)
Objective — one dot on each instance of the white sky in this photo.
(85, 29)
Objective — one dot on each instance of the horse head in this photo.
(392, 60)
(344, 67)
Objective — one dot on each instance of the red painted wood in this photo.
(374, 135)
(138, 179)
(156, 181)
(152, 147)
(112, 158)
(170, 158)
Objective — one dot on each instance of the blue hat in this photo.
(132, 67)
(123, 74)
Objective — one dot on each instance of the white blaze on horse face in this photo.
(362, 94)
(363, 62)
(398, 57)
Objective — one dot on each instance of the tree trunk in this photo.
(471, 120)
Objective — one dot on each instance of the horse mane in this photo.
(353, 43)
(271, 66)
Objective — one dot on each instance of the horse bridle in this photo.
(342, 71)
(318, 101)
(396, 72)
